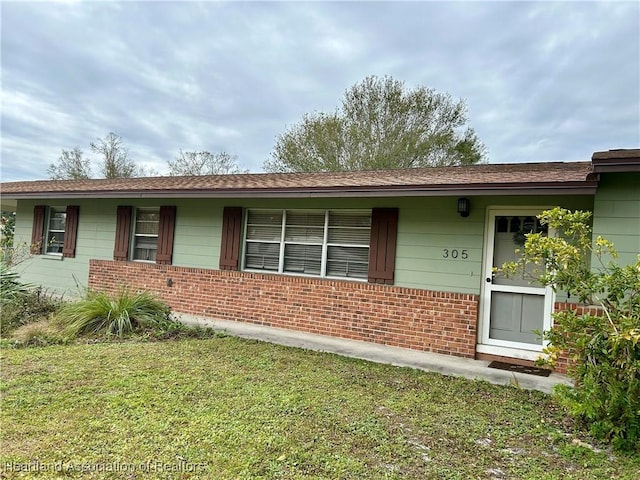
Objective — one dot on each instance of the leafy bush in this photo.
(604, 346)
(174, 329)
(10, 287)
(121, 315)
(7, 230)
(22, 304)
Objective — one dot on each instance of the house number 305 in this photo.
(455, 253)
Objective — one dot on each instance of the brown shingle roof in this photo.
(517, 178)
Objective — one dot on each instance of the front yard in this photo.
(232, 408)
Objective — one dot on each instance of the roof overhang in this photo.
(552, 178)
(616, 161)
(550, 188)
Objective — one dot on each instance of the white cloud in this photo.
(31, 112)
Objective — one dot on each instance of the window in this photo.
(150, 239)
(56, 221)
(145, 238)
(331, 243)
(55, 230)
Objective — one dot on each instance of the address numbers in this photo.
(455, 253)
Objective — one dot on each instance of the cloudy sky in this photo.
(542, 80)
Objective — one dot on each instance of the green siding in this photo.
(198, 233)
(616, 214)
(426, 227)
(196, 244)
(96, 231)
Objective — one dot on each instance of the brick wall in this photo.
(565, 358)
(438, 322)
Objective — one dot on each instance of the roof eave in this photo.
(616, 166)
(546, 188)
(616, 161)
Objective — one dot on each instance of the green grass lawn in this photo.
(232, 408)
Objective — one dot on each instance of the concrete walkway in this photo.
(433, 362)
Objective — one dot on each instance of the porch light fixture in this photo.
(463, 207)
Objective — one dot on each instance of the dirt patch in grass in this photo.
(232, 408)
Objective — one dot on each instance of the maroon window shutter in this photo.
(230, 247)
(37, 231)
(382, 249)
(123, 231)
(71, 231)
(166, 228)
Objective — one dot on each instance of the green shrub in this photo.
(10, 287)
(175, 330)
(604, 347)
(22, 304)
(123, 314)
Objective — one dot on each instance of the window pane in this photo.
(145, 248)
(528, 224)
(264, 225)
(262, 256)
(305, 227)
(305, 219)
(145, 240)
(350, 228)
(57, 219)
(55, 230)
(350, 219)
(348, 262)
(502, 224)
(304, 234)
(544, 229)
(147, 222)
(303, 259)
(350, 236)
(259, 232)
(265, 217)
(55, 242)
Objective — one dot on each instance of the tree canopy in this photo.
(380, 125)
(204, 163)
(115, 162)
(71, 165)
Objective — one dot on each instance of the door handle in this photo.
(489, 279)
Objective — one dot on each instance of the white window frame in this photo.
(135, 236)
(48, 230)
(282, 242)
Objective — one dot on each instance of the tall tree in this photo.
(380, 125)
(204, 163)
(71, 165)
(115, 161)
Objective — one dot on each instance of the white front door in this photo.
(513, 309)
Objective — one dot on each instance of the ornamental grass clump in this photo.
(123, 314)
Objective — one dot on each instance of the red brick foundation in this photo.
(565, 358)
(438, 322)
